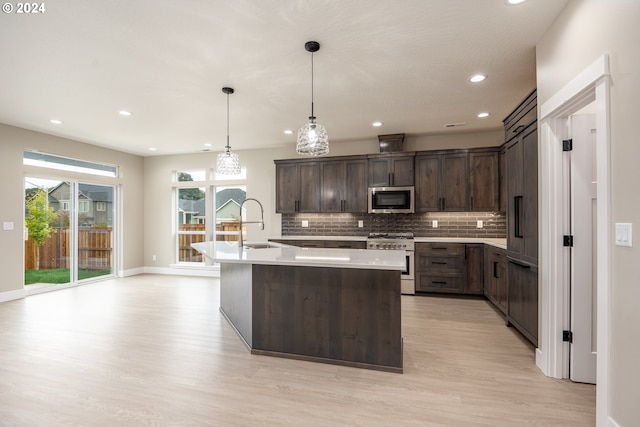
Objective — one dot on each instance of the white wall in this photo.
(583, 32)
(13, 141)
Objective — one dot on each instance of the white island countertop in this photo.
(497, 242)
(278, 254)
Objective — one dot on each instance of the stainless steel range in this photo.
(398, 241)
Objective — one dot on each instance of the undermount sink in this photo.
(260, 245)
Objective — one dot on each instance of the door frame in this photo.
(590, 85)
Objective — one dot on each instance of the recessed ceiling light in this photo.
(477, 78)
(512, 2)
(288, 132)
(153, 149)
(55, 121)
(125, 113)
(483, 115)
(376, 124)
(207, 144)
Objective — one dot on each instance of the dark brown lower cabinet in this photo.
(346, 244)
(454, 268)
(522, 308)
(474, 271)
(495, 277)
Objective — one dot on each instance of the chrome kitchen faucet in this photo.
(261, 222)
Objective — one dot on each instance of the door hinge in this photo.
(567, 144)
(567, 336)
(567, 241)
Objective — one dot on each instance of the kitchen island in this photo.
(339, 306)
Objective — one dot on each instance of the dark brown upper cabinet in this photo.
(298, 186)
(344, 185)
(484, 185)
(391, 170)
(442, 181)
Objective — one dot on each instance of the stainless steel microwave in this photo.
(391, 200)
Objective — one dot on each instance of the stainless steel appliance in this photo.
(391, 200)
(398, 241)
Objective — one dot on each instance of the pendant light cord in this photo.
(312, 85)
(228, 147)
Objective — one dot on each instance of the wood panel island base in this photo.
(322, 313)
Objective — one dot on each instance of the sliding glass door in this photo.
(68, 232)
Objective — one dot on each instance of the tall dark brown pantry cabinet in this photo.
(521, 137)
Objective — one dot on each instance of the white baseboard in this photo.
(12, 295)
(131, 272)
(184, 271)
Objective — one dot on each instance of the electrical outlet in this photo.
(360, 223)
(434, 223)
(480, 224)
(305, 224)
(153, 257)
(7, 225)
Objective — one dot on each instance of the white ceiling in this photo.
(404, 62)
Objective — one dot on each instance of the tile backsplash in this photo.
(450, 224)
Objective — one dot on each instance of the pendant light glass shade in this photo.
(228, 163)
(313, 139)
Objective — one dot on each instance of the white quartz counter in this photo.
(229, 252)
(499, 243)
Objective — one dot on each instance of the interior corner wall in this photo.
(583, 32)
(13, 142)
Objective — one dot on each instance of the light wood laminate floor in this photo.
(154, 350)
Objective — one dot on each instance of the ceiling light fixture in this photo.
(313, 139)
(55, 121)
(483, 115)
(514, 2)
(228, 163)
(288, 132)
(477, 78)
(124, 113)
(376, 124)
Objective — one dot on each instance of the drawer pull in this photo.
(519, 129)
(435, 248)
(437, 282)
(438, 262)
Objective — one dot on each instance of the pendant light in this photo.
(228, 163)
(313, 139)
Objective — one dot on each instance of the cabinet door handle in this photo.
(296, 205)
(390, 178)
(517, 207)
(519, 129)
(443, 203)
(495, 269)
(516, 263)
(471, 202)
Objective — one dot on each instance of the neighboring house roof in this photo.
(192, 206)
(235, 194)
(97, 193)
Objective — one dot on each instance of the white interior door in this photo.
(582, 363)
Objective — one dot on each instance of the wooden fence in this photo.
(187, 254)
(95, 249)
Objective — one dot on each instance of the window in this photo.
(65, 206)
(227, 213)
(83, 206)
(205, 211)
(191, 221)
(52, 161)
(101, 206)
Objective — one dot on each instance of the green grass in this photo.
(59, 275)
